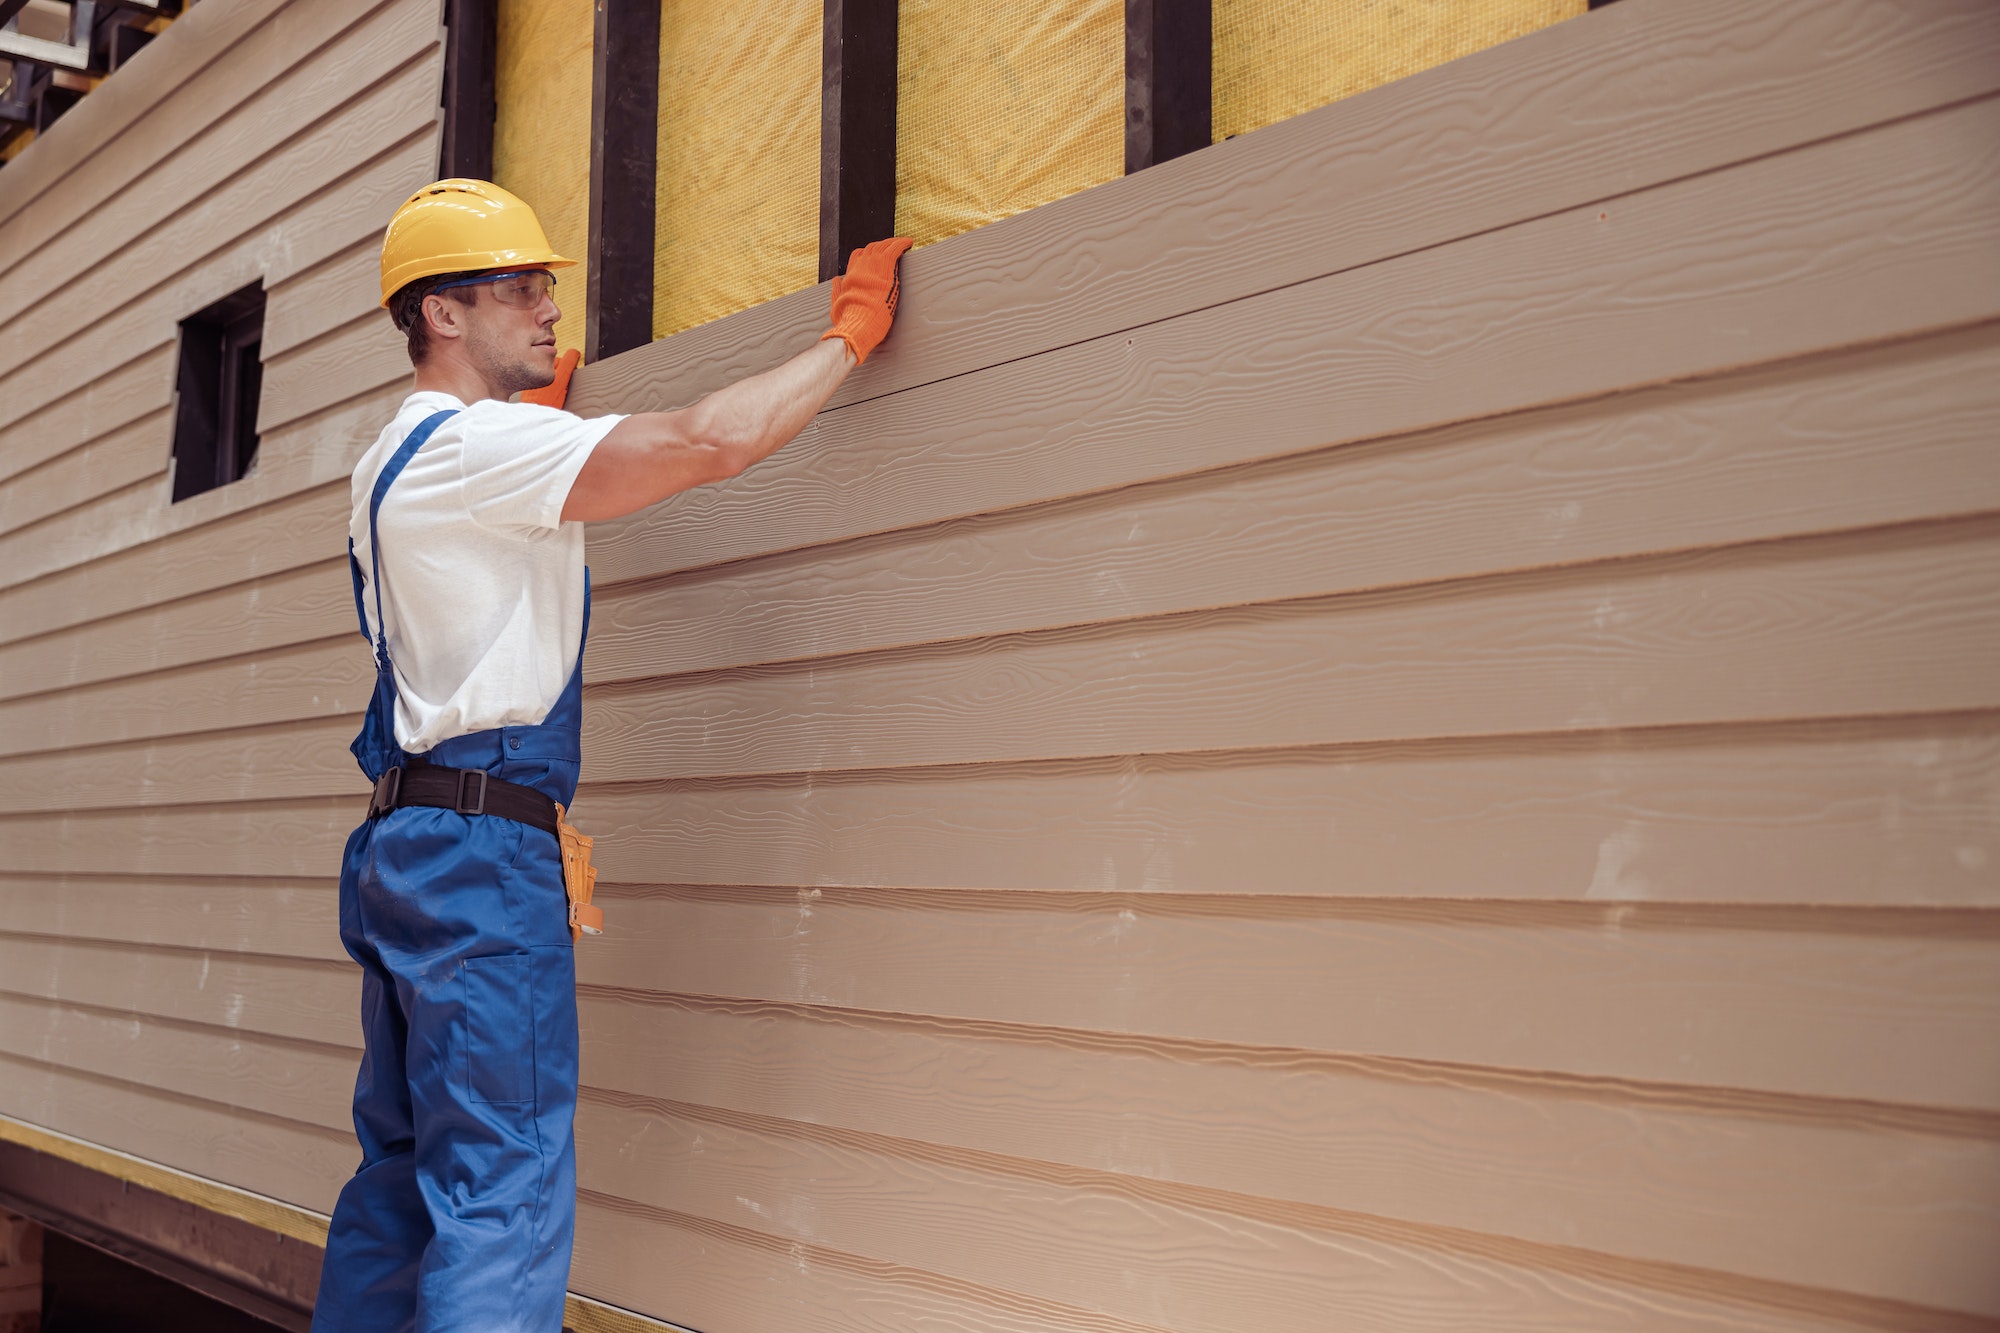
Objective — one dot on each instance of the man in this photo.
(467, 554)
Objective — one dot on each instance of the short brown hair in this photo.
(406, 307)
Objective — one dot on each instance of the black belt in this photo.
(469, 791)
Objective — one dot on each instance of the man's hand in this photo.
(557, 393)
(864, 300)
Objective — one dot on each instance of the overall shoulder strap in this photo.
(383, 481)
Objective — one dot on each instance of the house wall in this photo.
(1391, 725)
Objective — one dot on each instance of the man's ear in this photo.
(443, 317)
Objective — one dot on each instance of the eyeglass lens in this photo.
(524, 289)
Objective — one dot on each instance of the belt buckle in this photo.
(388, 788)
(478, 807)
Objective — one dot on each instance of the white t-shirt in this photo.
(482, 581)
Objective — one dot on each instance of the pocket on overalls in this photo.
(499, 1029)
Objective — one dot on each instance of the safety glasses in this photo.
(524, 290)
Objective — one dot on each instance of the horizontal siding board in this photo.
(133, 453)
(278, 997)
(1889, 812)
(317, 300)
(288, 1160)
(1175, 1259)
(290, 510)
(114, 398)
(360, 357)
(236, 173)
(286, 918)
(267, 763)
(307, 204)
(1713, 1185)
(1876, 622)
(188, 78)
(709, 1275)
(1569, 115)
(1881, 436)
(291, 839)
(294, 1080)
(300, 606)
(1870, 237)
(317, 680)
(1883, 1012)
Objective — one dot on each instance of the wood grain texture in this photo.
(209, 194)
(1876, 622)
(1883, 812)
(293, 1080)
(294, 918)
(1879, 1009)
(289, 839)
(1880, 436)
(299, 606)
(1862, 238)
(1575, 113)
(289, 1161)
(1178, 1258)
(319, 299)
(278, 997)
(116, 398)
(131, 454)
(291, 511)
(1604, 1167)
(329, 678)
(362, 159)
(186, 75)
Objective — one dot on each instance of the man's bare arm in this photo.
(652, 455)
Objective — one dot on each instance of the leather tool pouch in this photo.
(579, 878)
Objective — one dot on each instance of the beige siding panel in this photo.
(289, 1079)
(266, 539)
(1890, 812)
(1808, 1002)
(1851, 624)
(322, 298)
(1880, 436)
(273, 838)
(355, 167)
(265, 763)
(315, 680)
(127, 456)
(1864, 238)
(186, 76)
(305, 605)
(365, 356)
(1612, 1168)
(240, 171)
(1584, 111)
(296, 918)
(290, 511)
(1164, 1257)
(288, 1160)
(278, 997)
(116, 398)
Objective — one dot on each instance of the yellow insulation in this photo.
(1004, 105)
(541, 136)
(738, 219)
(1276, 58)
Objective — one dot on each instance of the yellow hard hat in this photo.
(456, 226)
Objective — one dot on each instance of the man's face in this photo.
(509, 330)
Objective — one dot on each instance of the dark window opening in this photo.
(221, 374)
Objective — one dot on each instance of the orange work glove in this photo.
(864, 301)
(558, 392)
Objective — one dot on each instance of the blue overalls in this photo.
(462, 1211)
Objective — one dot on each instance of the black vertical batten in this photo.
(857, 129)
(1169, 48)
(624, 139)
(470, 53)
